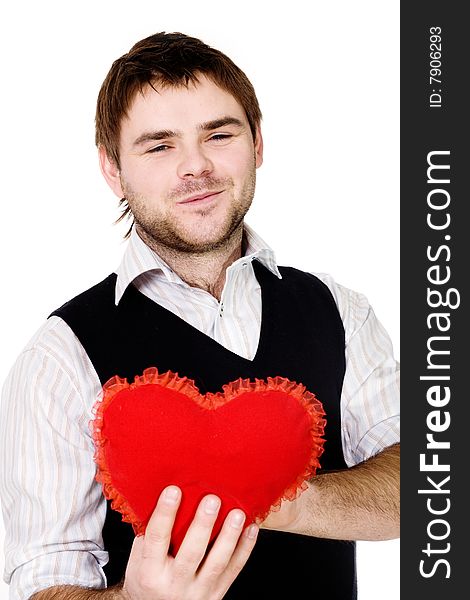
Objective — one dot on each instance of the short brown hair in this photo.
(166, 59)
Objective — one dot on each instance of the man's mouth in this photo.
(200, 198)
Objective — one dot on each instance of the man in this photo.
(200, 294)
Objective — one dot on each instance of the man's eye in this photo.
(218, 137)
(160, 148)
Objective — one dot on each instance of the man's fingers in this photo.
(196, 540)
(158, 533)
(224, 546)
(231, 549)
(238, 560)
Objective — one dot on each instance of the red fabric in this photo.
(253, 445)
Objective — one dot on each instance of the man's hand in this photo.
(152, 574)
(286, 517)
(359, 503)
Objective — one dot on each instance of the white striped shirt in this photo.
(53, 508)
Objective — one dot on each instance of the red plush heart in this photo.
(253, 445)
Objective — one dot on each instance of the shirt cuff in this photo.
(384, 434)
(62, 568)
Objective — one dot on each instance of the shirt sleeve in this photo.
(370, 402)
(53, 508)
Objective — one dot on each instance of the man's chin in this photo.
(172, 239)
(199, 245)
(201, 240)
(191, 239)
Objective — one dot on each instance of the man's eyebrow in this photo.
(222, 122)
(155, 136)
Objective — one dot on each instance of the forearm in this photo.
(360, 503)
(72, 592)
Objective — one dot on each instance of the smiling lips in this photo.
(204, 197)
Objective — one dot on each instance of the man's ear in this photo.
(258, 147)
(110, 172)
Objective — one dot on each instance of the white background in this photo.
(327, 78)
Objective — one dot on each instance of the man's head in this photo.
(166, 60)
(177, 119)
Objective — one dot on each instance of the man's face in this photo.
(188, 163)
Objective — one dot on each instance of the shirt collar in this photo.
(139, 258)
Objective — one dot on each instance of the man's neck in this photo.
(205, 271)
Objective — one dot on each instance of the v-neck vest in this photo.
(301, 338)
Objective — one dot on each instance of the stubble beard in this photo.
(159, 230)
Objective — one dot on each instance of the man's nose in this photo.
(194, 162)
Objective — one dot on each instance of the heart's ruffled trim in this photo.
(209, 401)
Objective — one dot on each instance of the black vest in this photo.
(301, 338)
